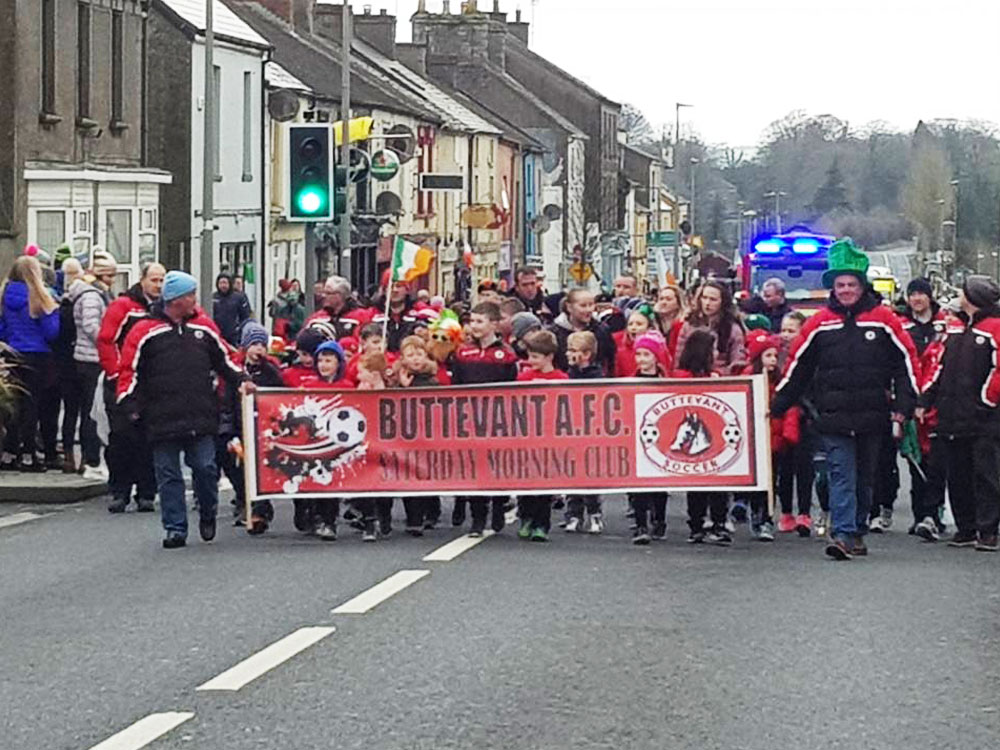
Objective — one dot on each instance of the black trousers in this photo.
(420, 510)
(326, 510)
(886, 480)
(576, 504)
(537, 511)
(649, 507)
(87, 375)
(927, 495)
(129, 455)
(69, 393)
(22, 430)
(481, 507)
(699, 503)
(795, 476)
(974, 483)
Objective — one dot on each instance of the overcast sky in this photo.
(745, 63)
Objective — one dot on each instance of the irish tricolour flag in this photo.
(410, 260)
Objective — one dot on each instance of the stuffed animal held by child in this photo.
(446, 335)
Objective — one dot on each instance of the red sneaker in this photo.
(786, 523)
(803, 524)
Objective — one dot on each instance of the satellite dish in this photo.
(283, 105)
(388, 203)
(540, 224)
(552, 212)
(404, 144)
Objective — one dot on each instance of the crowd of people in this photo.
(854, 385)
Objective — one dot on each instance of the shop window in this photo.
(50, 231)
(119, 234)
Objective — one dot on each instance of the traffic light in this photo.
(310, 168)
(339, 188)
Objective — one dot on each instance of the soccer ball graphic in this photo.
(347, 427)
(649, 434)
(732, 434)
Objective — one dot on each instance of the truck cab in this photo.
(797, 257)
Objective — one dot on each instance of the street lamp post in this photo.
(694, 167)
(777, 195)
(677, 201)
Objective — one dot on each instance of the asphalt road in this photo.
(581, 643)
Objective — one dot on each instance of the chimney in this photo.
(413, 56)
(328, 22)
(497, 45)
(519, 28)
(378, 31)
(445, 8)
(296, 13)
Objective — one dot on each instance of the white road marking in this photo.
(454, 548)
(144, 731)
(368, 600)
(15, 518)
(267, 659)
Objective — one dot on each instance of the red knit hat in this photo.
(758, 344)
(654, 342)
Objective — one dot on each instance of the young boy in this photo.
(536, 510)
(484, 359)
(305, 351)
(581, 353)
(371, 341)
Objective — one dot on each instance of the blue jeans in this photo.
(851, 461)
(199, 455)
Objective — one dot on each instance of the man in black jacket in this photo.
(856, 353)
(965, 388)
(230, 309)
(167, 383)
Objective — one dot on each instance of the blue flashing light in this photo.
(768, 247)
(805, 246)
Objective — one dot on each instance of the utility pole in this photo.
(678, 267)
(207, 258)
(345, 145)
(776, 194)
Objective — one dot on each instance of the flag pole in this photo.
(388, 302)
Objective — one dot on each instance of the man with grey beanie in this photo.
(964, 385)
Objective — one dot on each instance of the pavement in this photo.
(585, 642)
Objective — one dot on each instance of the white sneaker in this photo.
(822, 524)
(729, 526)
(883, 523)
(927, 530)
(596, 524)
(573, 525)
(94, 474)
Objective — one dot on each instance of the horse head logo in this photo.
(693, 437)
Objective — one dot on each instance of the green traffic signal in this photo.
(310, 201)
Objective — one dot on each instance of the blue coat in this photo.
(23, 333)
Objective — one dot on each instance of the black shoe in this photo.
(696, 537)
(458, 513)
(206, 527)
(963, 539)
(53, 462)
(302, 518)
(641, 536)
(174, 541)
(385, 526)
(838, 550)
(350, 514)
(477, 529)
(659, 531)
(118, 505)
(430, 524)
(719, 536)
(145, 506)
(987, 544)
(498, 521)
(31, 464)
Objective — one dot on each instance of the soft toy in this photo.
(446, 335)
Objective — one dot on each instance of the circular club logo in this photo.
(691, 434)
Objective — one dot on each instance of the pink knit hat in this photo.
(654, 342)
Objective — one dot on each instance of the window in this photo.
(216, 120)
(119, 243)
(247, 126)
(83, 61)
(48, 66)
(50, 231)
(234, 257)
(117, 70)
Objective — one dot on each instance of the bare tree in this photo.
(638, 130)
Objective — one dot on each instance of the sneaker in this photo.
(729, 526)
(258, 525)
(411, 530)
(538, 534)
(803, 524)
(786, 523)
(641, 536)
(458, 513)
(174, 541)
(145, 505)
(497, 519)
(739, 512)
(118, 505)
(430, 524)
(987, 544)
(596, 524)
(719, 536)
(573, 525)
(326, 532)
(384, 526)
(69, 466)
(32, 464)
(53, 462)
(696, 537)
(368, 534)
(8, 462)
(859, 549)
(477, 531)
(822, 524)
(559, 502)
(963, 539)
(302, 518)
(524, 529)
(350, 514)
(838, 550)
(206, 528)
(94, 474)
(659, 532)
(927, 530)
(883, 523)
(766, 532)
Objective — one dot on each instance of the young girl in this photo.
(638, 323)
(669, 315)
(763, 351)
(794, 467)
(713, 311)
(581, 353)
(651, 360)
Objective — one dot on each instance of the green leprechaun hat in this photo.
(844, 257)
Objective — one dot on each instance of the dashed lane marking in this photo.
(17, 518)
(454, 548)
(144, 731)
(368, 600)
(267, 659)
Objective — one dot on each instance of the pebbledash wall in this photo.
(73, 129)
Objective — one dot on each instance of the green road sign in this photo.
(661, 239)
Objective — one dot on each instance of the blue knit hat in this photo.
(177, 284)
(253, 333)
(338, 350)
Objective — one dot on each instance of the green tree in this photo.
(831, 195)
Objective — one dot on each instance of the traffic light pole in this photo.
(345, 141)
(207, 245)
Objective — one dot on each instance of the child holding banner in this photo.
(305, 350)
(581, 352)
(651, 359)
(483, 359)
(536, 510)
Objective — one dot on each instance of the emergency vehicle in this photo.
(798, 257)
